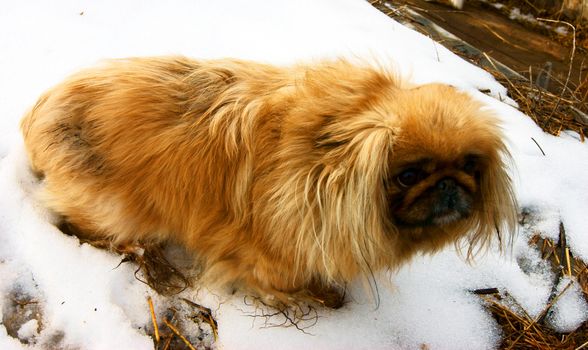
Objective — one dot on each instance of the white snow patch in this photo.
(9, 343)
(571, 309)
(28, 330)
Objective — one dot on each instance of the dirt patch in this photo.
(22, 311)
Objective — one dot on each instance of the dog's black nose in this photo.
(448, 195)
(447, 185)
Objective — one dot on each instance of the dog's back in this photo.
(110, 141)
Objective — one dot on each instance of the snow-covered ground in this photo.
(87, 302)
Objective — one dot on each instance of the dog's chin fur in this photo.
(278, 179)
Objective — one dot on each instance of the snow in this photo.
(77, 284)
(90, 302)
(28, 330)
(570, 310)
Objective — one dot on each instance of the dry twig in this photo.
(177, 333)
(153, 320)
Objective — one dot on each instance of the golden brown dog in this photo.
(287, 181)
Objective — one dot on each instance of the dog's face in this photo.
(446, 176)
(431, 192)
(416, 169)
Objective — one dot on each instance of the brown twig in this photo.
(568, 262)
(504, 75)
(503, 39)
(205, 314)
(168, 342)
(176, 332)
(153, 319)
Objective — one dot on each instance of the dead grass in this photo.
(524, 332)
(552, 112)
(565, 107)
(520, 330)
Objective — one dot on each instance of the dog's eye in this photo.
(470, 166)
(409, 177)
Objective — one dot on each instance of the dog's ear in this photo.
(348, 196)
(498, 201)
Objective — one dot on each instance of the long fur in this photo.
(277, 178)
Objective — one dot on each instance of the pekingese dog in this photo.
(284, 181)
